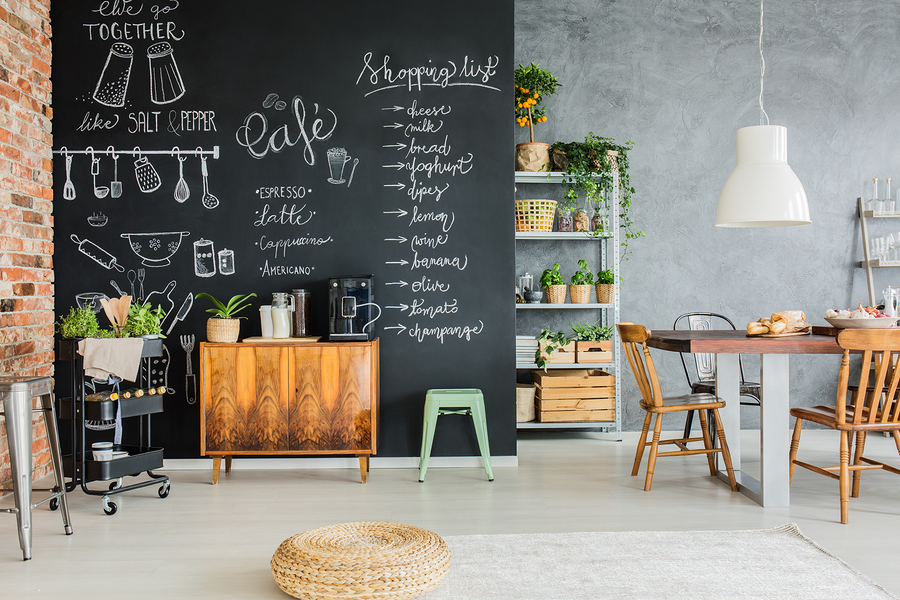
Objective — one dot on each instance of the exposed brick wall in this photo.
(26, 202)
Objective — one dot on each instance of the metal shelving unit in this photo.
(608, 246)
(868, 263)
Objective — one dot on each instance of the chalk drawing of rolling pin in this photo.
(98, 254)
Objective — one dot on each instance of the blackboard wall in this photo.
(339, 139)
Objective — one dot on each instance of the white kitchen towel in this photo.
(105, 357)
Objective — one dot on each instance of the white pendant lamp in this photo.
(763, 190)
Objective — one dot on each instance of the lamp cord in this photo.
(763, 117)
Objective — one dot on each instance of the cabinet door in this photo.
(331, 410)
(246, 403)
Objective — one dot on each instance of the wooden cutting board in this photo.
(290, 340)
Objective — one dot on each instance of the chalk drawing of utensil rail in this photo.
(98, 254)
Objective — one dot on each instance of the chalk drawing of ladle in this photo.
(69, 187)
(101, 191)
(208, 200)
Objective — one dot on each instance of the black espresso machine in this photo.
(350, 303)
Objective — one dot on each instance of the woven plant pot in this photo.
(580, 294)
(556, 294)
(223, 330)
(605, 293)
(533, 156)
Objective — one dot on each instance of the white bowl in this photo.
(873, 323)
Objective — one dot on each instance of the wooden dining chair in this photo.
(877, 409)
(634, 340)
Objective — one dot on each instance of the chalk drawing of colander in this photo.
(155, 249)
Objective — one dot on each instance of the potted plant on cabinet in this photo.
(554, 348)
(553, 284)
(533, 85)
(593, 343)
(224, 326)
(605, 286)
(582, 282)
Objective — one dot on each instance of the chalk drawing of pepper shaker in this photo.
(114, 78)
(165, 79)
(147, 178)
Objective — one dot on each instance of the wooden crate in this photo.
(563, 355)
(593, 352)
(575, 396)
(564, 378)
(544, 404)
(577, 416)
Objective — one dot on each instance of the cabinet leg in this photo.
(217, 462)
(363, 466)
(228, 464)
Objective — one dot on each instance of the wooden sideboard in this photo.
(288, 398)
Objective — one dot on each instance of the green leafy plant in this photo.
(229, 310)
(552, 277)
(588, 171)
(606, 277)
(81, 323)
(583, 276)
(533, 85)
(144, 320)
(548, 343)
(592, 332)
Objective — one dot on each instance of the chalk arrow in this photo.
(400, 327)
(400, 262)
(398, 146)
(401, 307)
(395, 125)
(401, 283)
(399, 212)
(400, 239)
(397, 166)
(393, 108)
(397, 185)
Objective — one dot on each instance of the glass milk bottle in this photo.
(282, 307)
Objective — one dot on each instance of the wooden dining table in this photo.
(773, 487)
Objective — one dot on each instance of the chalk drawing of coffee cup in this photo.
(113, 82)
(165, 79)
(337, 160)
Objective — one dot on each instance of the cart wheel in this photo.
(54, 503)
(164, 490)
(109, 508)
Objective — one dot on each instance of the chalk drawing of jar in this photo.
(165, 79)
(114, 78)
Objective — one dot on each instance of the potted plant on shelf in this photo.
(145, 321)
(582, 282)
(554, 348)
(593, 342)
(533, 85)
(605, 286)
(553, 284)
(224, 326)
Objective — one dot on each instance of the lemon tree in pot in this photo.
(581, 284)
(533, 86)
(554, 287)
(224, 326)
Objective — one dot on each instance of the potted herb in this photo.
(224, 326)
(533, 85)
(581, 284)
(549, 343)
(593, 343)
(553, 284)
(81, 323)
(145, 321)
(605, 286)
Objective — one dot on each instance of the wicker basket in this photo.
(535, 215)
(223, 330)
(556, 294)
(372, 560)
(580, 294)
(605, 293)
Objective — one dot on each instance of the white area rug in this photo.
(696, 565)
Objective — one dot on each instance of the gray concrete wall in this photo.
(678, 78)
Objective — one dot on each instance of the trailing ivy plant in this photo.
(533, 86)
(548, 343)
(588, 171)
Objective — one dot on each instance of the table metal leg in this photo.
(728, 377)
(775, 442)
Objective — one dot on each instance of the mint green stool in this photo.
(454, 402)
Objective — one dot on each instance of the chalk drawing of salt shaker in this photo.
(226, 262)
(204, 258)
(114, 78)
(165, 79)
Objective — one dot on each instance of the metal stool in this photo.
(454, 402)
(17, 394)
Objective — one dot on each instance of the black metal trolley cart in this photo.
(79, 465)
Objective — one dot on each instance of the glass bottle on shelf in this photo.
(566, 217)
(872, 196)
(597, 218)
(889, 206)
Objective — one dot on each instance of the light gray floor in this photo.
(207, 541)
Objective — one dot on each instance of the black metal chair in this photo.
(705, 364)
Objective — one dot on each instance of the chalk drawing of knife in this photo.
(97, 254)
(183, 311)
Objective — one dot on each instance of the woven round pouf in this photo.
(365, 560)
